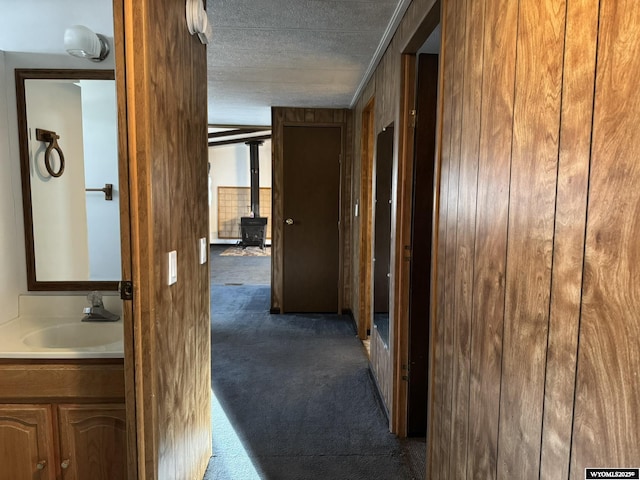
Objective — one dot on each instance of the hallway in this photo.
(293, 397)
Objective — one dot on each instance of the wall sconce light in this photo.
(197, 21)
(82, 42)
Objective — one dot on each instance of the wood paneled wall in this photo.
(381, 366)
(166, 117)
(538, 316)
(385, 88)
(537, 313)
(281, 116)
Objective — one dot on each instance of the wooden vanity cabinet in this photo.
(62, 420)
(26, 443)
(92, 442)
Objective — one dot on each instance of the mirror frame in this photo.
(22, 74)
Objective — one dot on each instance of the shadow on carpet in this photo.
(297, 392)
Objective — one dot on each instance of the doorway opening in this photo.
(418, 159)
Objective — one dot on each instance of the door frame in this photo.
(306, 117)
(125, 239)
(365, 239)
(404, 214)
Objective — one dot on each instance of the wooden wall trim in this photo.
(136, 96)
(403, 245)
(125, 240)
(365, 232)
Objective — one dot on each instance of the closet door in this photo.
(311, 158)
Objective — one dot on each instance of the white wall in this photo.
(230, 167)
(100, 131)
(11, 256)
(58, 204)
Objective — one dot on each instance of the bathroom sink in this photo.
(75, 335)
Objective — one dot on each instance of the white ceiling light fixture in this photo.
(82, 42)
(197, 21)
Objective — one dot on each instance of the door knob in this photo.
(65, 463)
(41, 464)
(289, 221)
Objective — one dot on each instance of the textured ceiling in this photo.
(294, 53)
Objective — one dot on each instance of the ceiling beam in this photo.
(238, 131)
(219, 143)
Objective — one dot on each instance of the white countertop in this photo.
(56, 320)
(13, 333)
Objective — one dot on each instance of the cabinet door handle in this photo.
(65, 463)
(41, 464)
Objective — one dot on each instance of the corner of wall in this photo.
(11, 277)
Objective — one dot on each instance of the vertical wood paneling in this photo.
(346, 202)
(518, 317)
(469, 151)
(277, 208)
(166, 132)
(382, 369)
(459, 332)
(534, 164)
(491, 234)
(573, 175)
(442, 387)
(607, 417)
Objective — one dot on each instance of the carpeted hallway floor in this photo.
(293, 398)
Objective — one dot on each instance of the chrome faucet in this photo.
(96, 312)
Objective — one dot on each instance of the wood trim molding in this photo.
(365, 268)
(125, 240)
(403, 245)
(28, 382)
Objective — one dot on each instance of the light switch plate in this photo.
(173, 267)
(203, 251)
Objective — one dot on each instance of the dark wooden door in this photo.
(421, 235)
(311, 162)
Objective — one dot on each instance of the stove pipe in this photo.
(255, 175)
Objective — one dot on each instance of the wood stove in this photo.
(254, 228)
(253, 231)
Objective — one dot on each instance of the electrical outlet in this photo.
(203, 251)
(173, 267)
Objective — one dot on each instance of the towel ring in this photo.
(52, 139)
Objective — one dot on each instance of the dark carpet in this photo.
(231, 270)
(293, 398)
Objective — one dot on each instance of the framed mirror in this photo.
(382, 232)
(67, 123)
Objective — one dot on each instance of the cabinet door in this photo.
(26, 443)
(92, 442)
